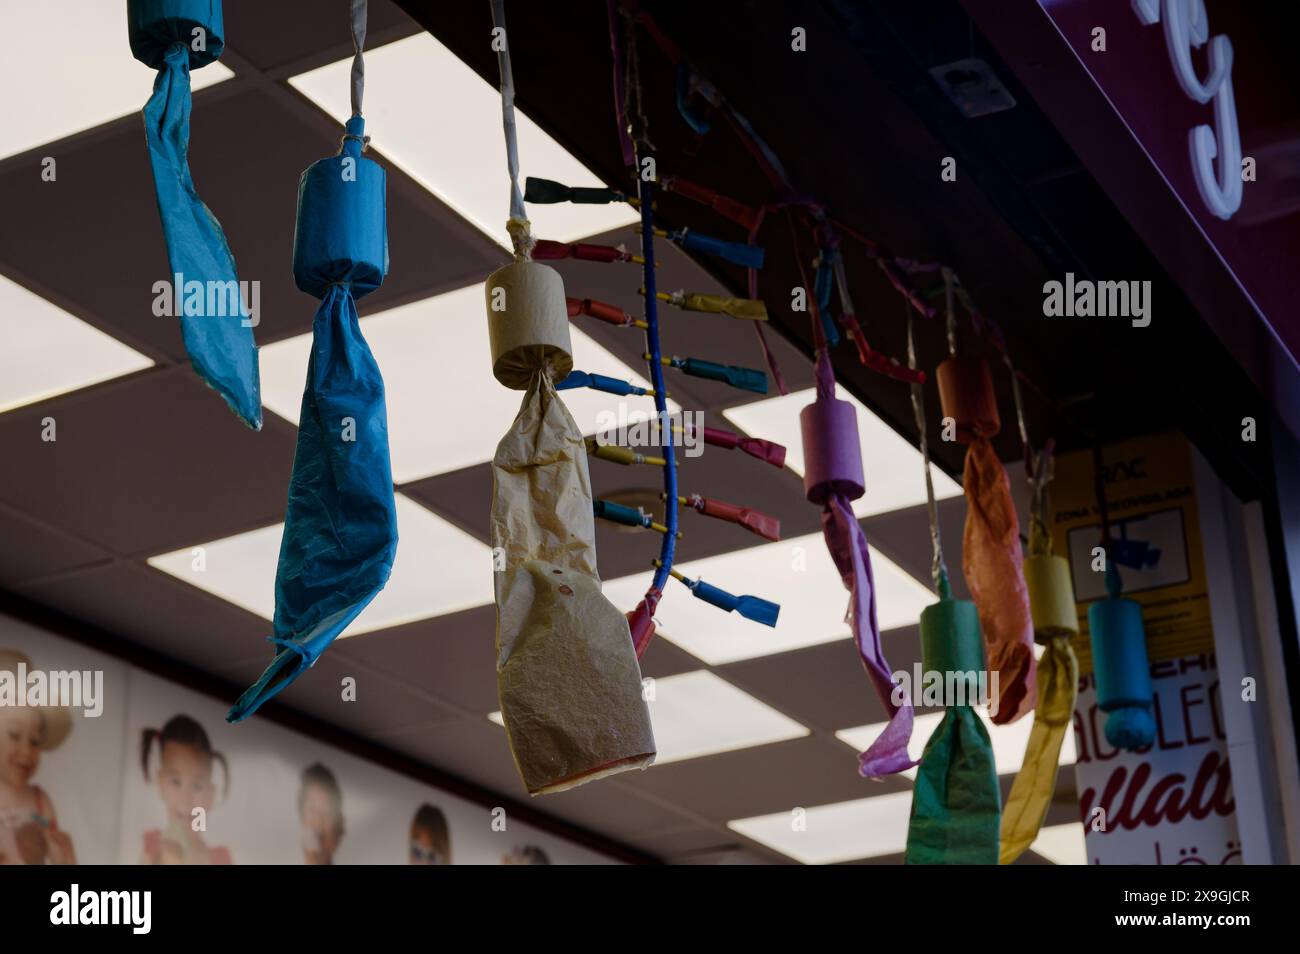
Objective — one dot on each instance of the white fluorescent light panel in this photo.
(873, 827)
(439, 569)
(895, 477)
(797, 573)
(1008, 741)
(50, 99)
(445, 410)
(434, 117)
(48, 352)
(829, 834)
(695, 714)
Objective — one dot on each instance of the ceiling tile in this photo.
(767, 778)
(270, 35)
(149, 609)
(32, 550)
(451, 656)
(832, 690)
(145, 464)
(380, 704)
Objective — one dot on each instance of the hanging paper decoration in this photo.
(991, 558)
(955, 799)
(544, 249)
(567, 673)
(641, 619)
(744, 379)
(833, 479)
(549, 192)
(754, 521)
(738, 212)
(749, 308)
(1121, 666)
(627, 516)
(340, 532)
(768, 451)
(751, 607)
(173, 37)
(1051, 602)
(599, 382)
(601, 311)
(746, 256)
(622, 455)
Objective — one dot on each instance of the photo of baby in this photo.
(29, 826)
(430, 838)
(184, 779)
(320, 814)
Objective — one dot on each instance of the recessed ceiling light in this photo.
(698, 713)
(829, 834)
(1061, 844)
(1008, 741)
(47, 351)
(695, 714)
(892, 467)
(798, 574)
(440, 122)
(445, 410)
(105, 83)
(439, 569)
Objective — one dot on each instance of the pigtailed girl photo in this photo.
(184, 776)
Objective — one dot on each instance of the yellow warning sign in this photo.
(1155, 539)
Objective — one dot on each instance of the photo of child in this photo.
(430, 838)
(184, 778)
(29, 826)
(320, 814)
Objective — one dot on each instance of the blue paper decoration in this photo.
(173, 37)
(340, 534)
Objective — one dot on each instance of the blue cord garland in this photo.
(668, 548)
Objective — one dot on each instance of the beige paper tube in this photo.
(528, 324)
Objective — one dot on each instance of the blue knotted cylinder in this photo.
(156, 25)
(1123, 671)
(342, 231)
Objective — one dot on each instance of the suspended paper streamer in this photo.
(567, 673)
(1121, 666)
(748, 308)
(955, 800)
(1051, 598)
(220, 345)
(746, 256)
(991, 556)
(340, 533)
(832, 479)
